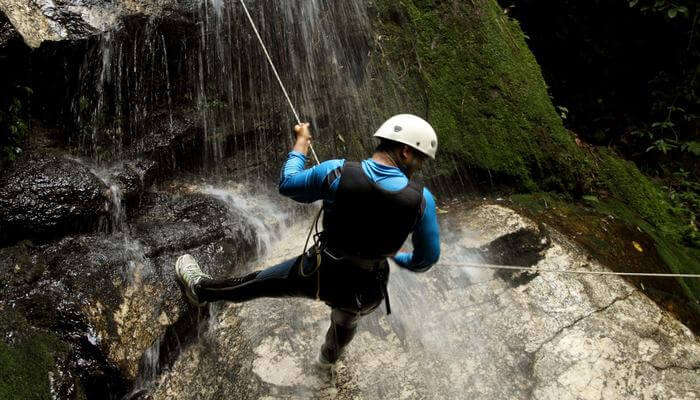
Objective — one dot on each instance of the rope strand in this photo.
(565, 271)
(272, 65)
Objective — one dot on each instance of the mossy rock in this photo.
(28, 359)
(639, 201)
(466, 67)
(615, 234)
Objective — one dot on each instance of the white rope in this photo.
(565, 271)
(272, 65)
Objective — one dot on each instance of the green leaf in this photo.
(692, 147)
(590, 199)
(672, 12)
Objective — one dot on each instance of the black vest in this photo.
(366, 221)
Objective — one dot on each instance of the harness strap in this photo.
(384, 283)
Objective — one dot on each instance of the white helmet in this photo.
(410, 130)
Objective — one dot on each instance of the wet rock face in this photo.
(172, 144)
(7, 31)
(132, 178)
(46, 196)
(43, 20)
(112, 299)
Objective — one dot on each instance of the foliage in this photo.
(669, 8)
(627, 72)
(14, 121)
(632, 86)
(684, 194)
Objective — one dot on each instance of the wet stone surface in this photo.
(112, 298)
(40, 21)
(46, 196)
(7, 31)
(454, 333)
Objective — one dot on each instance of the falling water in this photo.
(216, 69)
(217, 72)
(123, 83)
(98, 112)
(265, 215)
(167, 81)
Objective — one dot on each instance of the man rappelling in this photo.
(369, 209)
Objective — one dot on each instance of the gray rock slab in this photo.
(47, 20)
(454, 333)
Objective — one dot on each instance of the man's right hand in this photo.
(303, 137)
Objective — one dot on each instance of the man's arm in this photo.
(306, 185)
(425, 239)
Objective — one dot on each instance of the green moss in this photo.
(27, 357)
(608, 228)
(467, 67)
(536, 203)
(25, 367)
(626, 184)
(640, 202)
(676, 257)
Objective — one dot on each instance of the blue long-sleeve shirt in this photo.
(306, 186)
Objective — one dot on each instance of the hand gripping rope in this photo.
(470, 265)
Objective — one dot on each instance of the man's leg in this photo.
(340, 333)
(281, 280)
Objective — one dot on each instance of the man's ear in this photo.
(405, 151)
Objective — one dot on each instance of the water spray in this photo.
(314, 225)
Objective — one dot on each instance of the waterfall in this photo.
(136, 80)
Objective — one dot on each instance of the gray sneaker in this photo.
(189, 274)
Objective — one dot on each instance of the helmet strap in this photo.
(400, 166)
(392, 160)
